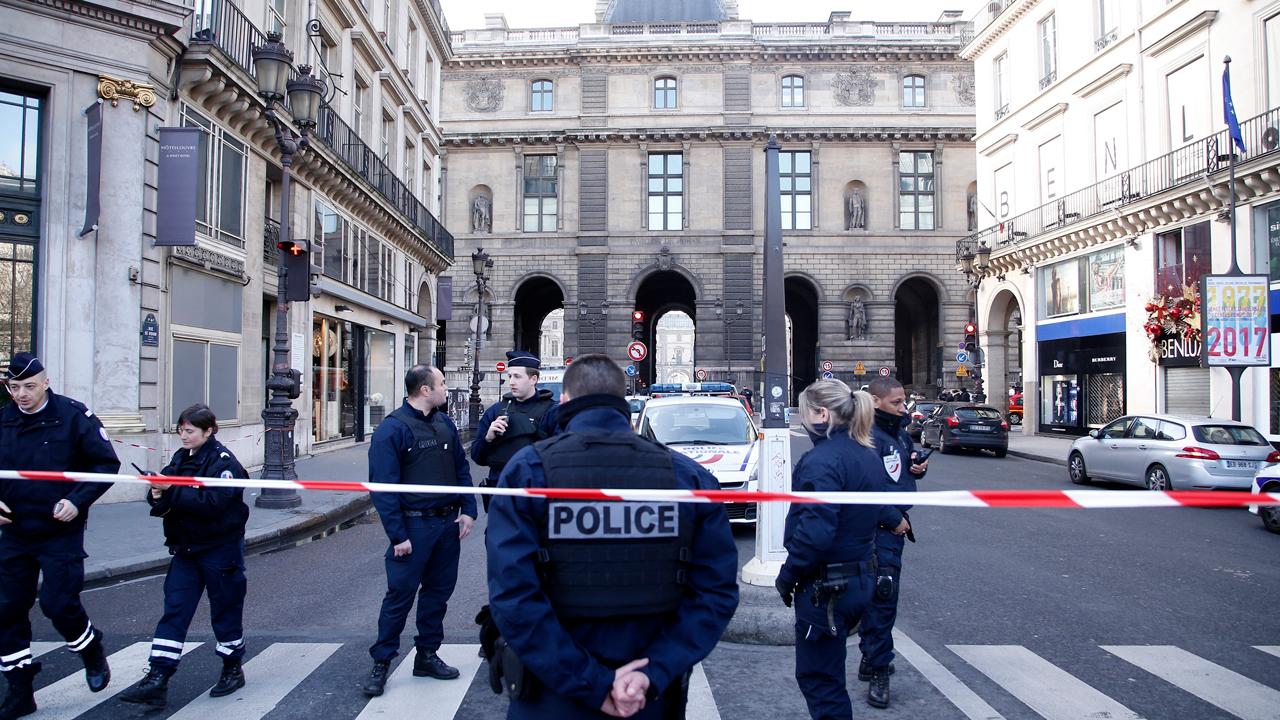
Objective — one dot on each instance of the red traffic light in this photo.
(637, 316)
(970, 328)
(293, 247)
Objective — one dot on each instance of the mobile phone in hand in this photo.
(140, 470)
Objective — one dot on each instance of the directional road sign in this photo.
(631, 371)
(827, 375)
(962, 357)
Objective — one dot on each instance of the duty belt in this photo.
(449, 511)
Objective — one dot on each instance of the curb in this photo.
(1041, 458)
(261, 541)
(761, 618)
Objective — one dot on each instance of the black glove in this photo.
(786, 586)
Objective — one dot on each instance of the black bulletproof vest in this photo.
(612, 559)
(522, 430)
(429, 460)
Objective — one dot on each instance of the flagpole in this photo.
(1231, 181)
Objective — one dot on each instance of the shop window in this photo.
(379, 377)
(1060, 401)
(795, 176)
(1106, 399)
(333, 382)
(220, 189)
(1182, 257)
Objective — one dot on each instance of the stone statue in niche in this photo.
(855, 211)
(973, 210)
(483, 94)
(481, 214)
(856, 322)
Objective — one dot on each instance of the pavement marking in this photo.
(1208, 681)
(702, 703)
(1043, 686)
(960, 695)
(44, 648)
(122, 583)
(70, 697)
(406, 696)
(1269, 649)
(269, 677)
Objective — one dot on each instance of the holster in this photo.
(507, 673)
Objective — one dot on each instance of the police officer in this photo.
(514, 422)
(418, 444)
(829, 573)
(604, 608)
(901, 470)
(204, 529)
(42, 527)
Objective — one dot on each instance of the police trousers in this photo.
(430, 573)
(876, 642)
(820, 656)
(61, 559)
(219, 571)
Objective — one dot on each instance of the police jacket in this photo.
(895, 447)
(63, 435)
(576, 659)
(817, 535)
(397, 455)
(524, 428)
(198, 518)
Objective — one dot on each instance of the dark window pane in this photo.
(224, 381)
(189, 379)
(232, 191)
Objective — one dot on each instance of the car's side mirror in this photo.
(1095, 434)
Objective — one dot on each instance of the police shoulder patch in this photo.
(223, 454)
(88, 412)
(103, 432)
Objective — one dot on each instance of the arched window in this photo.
(793, 91)
(541, 96)
(913, 91)
(664, 93)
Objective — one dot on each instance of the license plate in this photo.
(979, 428)
(1242, 464)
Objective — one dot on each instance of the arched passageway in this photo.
(915, 335)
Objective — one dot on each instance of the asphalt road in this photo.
(993, 601)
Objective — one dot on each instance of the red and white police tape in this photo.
(938, 498)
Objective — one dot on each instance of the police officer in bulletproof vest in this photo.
(42, 527)
(829, 571)
(204, 530)
(902, 467)
(512, 423)
(604, 607)
(418, 444)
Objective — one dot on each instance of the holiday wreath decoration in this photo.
(1173, 316)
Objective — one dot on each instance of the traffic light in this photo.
(297, 267)
(970, 336)
(637, 325)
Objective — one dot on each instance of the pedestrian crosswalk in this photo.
(962, 681)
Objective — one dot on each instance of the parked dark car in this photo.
(960, 426)
(920, 411)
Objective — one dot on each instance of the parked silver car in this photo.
(1168, 452)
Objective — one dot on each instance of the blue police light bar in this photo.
(678, 388)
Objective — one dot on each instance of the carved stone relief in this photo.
(964, 86)
(854, 88)
(483, 94)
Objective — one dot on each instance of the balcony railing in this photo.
(1048, 79)
(270, 239)
(221, 24)
(1193, 163)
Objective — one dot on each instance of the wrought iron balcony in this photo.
(1049, 79)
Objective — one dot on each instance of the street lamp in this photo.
(272, 63)
(973, 263)
(481, 264)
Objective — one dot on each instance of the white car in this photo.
(1267, 481)
(715, 432)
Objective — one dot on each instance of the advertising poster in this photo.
(1063, 289)
(1236, 321)
(1106, 279)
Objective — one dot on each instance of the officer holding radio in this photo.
(514, 422)
(903, 465)
(604, 607)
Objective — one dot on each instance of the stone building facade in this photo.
(620, 165)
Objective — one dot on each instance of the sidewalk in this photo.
(1049, 449)
(123, 539)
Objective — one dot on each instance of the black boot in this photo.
(377, 678)
(864, 669)
(878, 690)
(152, 689)
(429, 664)
(231, 680)
(21, 698)
(96, 671)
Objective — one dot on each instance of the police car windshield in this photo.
(691, 424)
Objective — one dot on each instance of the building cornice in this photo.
(158, 17)
(999, 145)
(1104, 80)
(1186, 30)
(983, 38)
(882, 52)
(584, 136)
(1045, 116)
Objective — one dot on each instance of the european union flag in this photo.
(1229, 109)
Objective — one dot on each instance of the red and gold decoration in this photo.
(1173, 316)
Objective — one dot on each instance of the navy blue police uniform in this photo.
(204, 530)
(829, 566)
(894, 448)
(412, 448)
(63, 435)
(578, 589)
(524, 425)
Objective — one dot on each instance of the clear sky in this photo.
(469, 14)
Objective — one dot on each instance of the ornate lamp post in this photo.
(973, 263)
(272, 63)
(481, 264)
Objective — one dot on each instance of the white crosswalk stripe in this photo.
(1269, 649)
(702, 703)
(70, 696)
(44, 648)
(1043, 686)
(269, 677)
(406, 695)
(1208, 681)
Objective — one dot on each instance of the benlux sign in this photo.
(1179, 352)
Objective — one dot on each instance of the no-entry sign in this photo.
(501, 367)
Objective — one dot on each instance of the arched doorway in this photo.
(551, 349)
(664, 292)
(425, 340)
(802, 311)
(535, 299)
(1001, 340)
(915, 335)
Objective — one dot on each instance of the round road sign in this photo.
(962, 357)
(884, 372)
(701, 374)
(637, 351)
(631, 371)
(500, 367)
(827, 366)
(828, 375)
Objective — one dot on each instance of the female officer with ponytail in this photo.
(828, 573)
(204, 529)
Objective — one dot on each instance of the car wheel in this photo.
(1001, 452)
(1158, 479)
(1015, 418)
(943, 447)
(1075, 469)
(1270, 517)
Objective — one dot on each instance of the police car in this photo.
(551, 377)
(1267, 481)
(707, 423)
